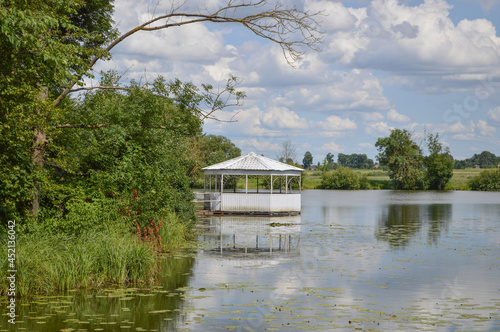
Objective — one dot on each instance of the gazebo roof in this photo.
(252, 164)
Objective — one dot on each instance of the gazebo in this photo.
(277, 186)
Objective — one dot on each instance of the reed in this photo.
(50, 262)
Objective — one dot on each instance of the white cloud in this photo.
(494, 114)
(394, 116)
(372, 117)
(332, 146)
(283, 118)
(333, 90)
(258, 146)
(378, 128)
(416, 41)
(336, 123)
(365, 145)
(484, 129)
(465, 137)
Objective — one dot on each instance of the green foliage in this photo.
(343, 178)
(218, 149)
(131, 147)
(485, 159)
(488, 180)
(358, 161)
(308, 160)
(408, 168)
(439, 164)
(404, 159)
(54, 262)
(43, 43)
(327, 163)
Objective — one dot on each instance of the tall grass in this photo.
(50, 262)
(174, 233)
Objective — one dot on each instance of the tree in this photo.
(344, 178)
(488, 180)
(128, 157)
(308, 160)
(485, 159)
(286, 153)
(328, 163)
(359, 161)
(49, 46)
(439, 163)
(408, 168)
(404, 158)
(218, 149)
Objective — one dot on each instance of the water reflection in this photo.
(336, 269)
(227, 235)
(399, 223)
(116, 309)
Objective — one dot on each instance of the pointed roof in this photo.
(252, 164)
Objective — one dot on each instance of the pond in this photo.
(354, 260)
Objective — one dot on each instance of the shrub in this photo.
(488, 180)
(343, 178)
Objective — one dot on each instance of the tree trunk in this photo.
(39, 142)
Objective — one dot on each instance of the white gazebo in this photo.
(277, 186)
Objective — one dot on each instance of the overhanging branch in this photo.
(288, 27)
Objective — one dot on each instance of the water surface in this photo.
(354, 260)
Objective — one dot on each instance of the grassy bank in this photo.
(49, 263)
(379, 179)
(103, 254)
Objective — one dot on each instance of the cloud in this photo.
(494, 114)
(484, 129)
(336, 123)
(283, 118)
(332, 146)
(394, 116)
(378, 128)
(372, 117)
(258, 146)
(417, 42)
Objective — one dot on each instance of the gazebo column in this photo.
(271, 184)
(286, 184)
(257, 183)
(210, 182)
(222, 183)
(246, 183)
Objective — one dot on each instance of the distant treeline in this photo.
(485, 159)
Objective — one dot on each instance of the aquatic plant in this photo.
(53, 262)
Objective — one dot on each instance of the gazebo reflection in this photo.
(251, 234)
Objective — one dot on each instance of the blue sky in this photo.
(426, 66)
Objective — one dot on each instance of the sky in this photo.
(430, 67)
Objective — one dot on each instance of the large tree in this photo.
(408, 167)
(404, 158)
(48, 48)
(360, 161)
(439, 163)
(308, 160)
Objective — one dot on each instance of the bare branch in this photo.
(100, 88)
(289, 27)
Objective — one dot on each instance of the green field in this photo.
(379, 179)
